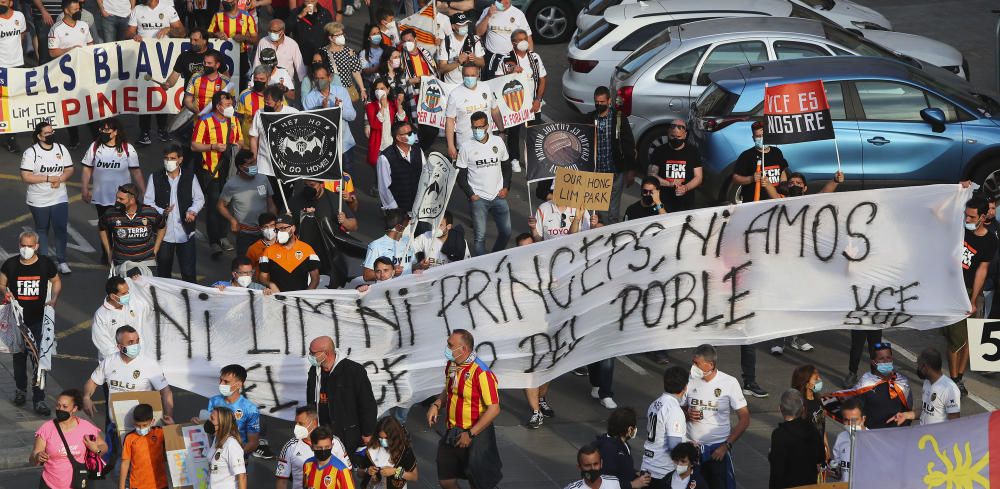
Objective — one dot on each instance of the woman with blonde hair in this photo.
(344, 63)
(226, 462)
(393, 463)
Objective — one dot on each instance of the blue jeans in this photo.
(112, 27)
(56, 218)
(718, 474)
(501, 216)
(602, 375)
(185, 254)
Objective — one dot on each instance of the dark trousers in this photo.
(602, 375)
(185, 255)
(426, 136)
(101, 209)
(858, 339)
(244, 241)
(215, 226)
(145, 122)
(21, 363)
(375, 9)
(748, 363)
(719, 474)
(514, 137)
(42, 32)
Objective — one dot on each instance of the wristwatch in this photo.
(470, 433)
(729, 445)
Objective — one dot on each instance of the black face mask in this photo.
(105, 137)
(309, 193)
(921, 375)
(209, 428)
(61, 415)
(676, 142)
(794, 191)
(208, 70)
(227, 6)
(647, 200)
(4, 9)
(120, 206)
(258, 86)
(590, 475)
(323, 454)
(78, 16)
(600, 107)
(45, 139)
(268, 108)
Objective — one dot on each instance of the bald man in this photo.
(344, 400)
(287, 50)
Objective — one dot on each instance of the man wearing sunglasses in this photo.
(677, 166)
(649, 204)
(131, 231)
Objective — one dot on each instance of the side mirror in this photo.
(935, 117)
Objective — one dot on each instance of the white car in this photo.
(593, 54)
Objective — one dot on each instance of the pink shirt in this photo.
(57, 472)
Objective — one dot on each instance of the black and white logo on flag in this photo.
(305, 144)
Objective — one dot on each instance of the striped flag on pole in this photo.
(423, 24)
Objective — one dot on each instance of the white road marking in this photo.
(632, 365)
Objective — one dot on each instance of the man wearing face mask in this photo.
(588, 460)
(417, 62)
(176, 195)
(242, 277)
(307, 25)
(131, 370)
(759, 163)
(131, 231)
(391, 245)
(299, 449)
(484, 174)
(215, 135)
(201, 89)
(276, 75)
(942, 401)
(457, 49)
(324, 470)
(496, 25)
(616, 455)
(677, 166)
(386, 23)
(151, 20)
(68, 34)
(34, 281)
(463, 101)
(232, 378)
(399, 167)
(240, 27)
(444, 244)
(711, 397)
(326, 93)
(883, 391)
(649, 204)
(286, 50)
(267, 237)
(342, 393)
(244, 199)
(524, 61)
(289, 264)
(321, 220)
(251, 101)
(666, 428)
(274, 102)
(614, 152)
(119, 307)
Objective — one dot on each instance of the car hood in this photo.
(854, 11)
(934, 52)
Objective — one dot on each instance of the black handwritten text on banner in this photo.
(724, 275)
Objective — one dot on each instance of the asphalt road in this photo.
(542, 458)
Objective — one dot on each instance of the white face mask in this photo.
(682, 468)
(27, 252)
(300, 432)
(170, 165)
(522, 45)
(394, 63)
(438, 232)
(244, 280)
(226, 390)
(228, 111)
(274, 36)
(463, 31)
(284, 236)
(268, 233)
(340, 40)
(379, 94)
(409, 46)
(696, 372)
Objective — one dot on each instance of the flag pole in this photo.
(836, 148)
(340, 160)
(281, 190)
(760, 162)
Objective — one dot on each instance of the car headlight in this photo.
(868, 25)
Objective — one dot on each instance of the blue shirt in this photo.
(245, 412)
(314, 100)
(229, 283)
(602, 156)
(389, 248)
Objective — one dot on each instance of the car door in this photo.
(671, 85)
(725, 55)
(898, 147)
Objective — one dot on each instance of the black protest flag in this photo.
(304, 144)
(796, 112)
(558, 144)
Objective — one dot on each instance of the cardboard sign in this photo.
(187, 449)
(583, 189)
(984, 345)
(122, 404)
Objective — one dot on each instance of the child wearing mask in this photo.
(144, 452)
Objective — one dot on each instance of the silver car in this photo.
(658, 82)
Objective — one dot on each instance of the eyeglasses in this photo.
(882, 345)
(125, 190)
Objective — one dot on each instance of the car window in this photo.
(715, 101)
(597, 7)
(592, 36)
(888, 101)
(839, 52)
(835, 97)
(951, 113)
(796, 50)
(732, 54)
(641, 35)
(681, 69)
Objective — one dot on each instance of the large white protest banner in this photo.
(724, 275)
(513, 94)
(91, 83)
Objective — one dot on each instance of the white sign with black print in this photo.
(724, 275)
(984, 345)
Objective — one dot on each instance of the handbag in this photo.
(80, 472)
(351, 90)
(96, 468)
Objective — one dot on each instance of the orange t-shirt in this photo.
(149, 459)
(254, 253)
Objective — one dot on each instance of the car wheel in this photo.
(988, 178)
(652, 139)
(733, 194)
(552, 21)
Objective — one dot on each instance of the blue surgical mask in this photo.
(252, 170)
(449, 354)
(142, 431)
(758, 143)
(818, 386)
(384, 442)
(971, 226)
(411, 138)
(123, 300)
(132, 351)
(312, 360)
(499, 5)
(479, 133)
(884, 368)
(376, 39)
(469, 81)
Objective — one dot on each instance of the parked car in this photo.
(551, 21)
(657, 82)
(895, 123)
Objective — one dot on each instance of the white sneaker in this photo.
(349, 10)
(800, 344)
(608, 403)
(777, 350)
(515, 165)
(594, 392)
(64, 268)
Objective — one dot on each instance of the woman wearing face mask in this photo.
(345, 68)
(109, 163)
(391, 69)
(393, 463)
(371, 55)
(380, 113)
(757, 163)
(807, 381)
(228, 467)
(81, 436)
(616, 455)
(46, 167)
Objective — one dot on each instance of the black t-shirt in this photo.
(678, 166)
(189, 63)
(638, 211)
(815, 414)
(29, 284)
(746, 166)
(879, 407)
(976, 250)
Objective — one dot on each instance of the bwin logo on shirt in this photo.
(50, 169)
(6, 34)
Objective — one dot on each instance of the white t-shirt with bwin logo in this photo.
(11, 49)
